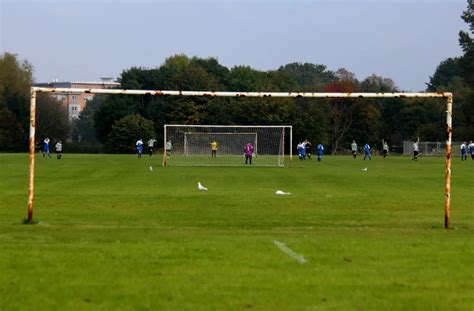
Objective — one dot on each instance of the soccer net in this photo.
(223, 145)
(429, 148)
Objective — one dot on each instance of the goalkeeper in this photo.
(213, 148)
(248, 152)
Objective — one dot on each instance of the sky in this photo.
(83, 40)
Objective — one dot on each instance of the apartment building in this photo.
(76, 102)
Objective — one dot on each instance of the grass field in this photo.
(227, 160)
(113, 235)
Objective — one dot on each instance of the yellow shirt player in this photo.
(213, 148)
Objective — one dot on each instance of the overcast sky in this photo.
(83, 40)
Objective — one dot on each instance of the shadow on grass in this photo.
(32, 222)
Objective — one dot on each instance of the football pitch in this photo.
(112, 234)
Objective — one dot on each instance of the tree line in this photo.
(114, 123)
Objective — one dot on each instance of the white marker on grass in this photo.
(279, 192)
(285, 249)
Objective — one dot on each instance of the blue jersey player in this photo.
(320, 152)
(139, 145)
(46, 148)
(301, 151)
(471, 149)
(367, 152)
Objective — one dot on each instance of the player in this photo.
(213, 148)
(169, 146)
(354, 149)
(301, 151)
(320, 152)
(471, 149)
(367, 152)
(384, 148)
(463, 151)
(151, 143)
(139, 145)
(416, 151)
(307, 147)
(59, 149)
(248, 152)
(46, 147)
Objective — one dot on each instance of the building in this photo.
(76, 102)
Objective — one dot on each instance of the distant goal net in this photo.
(429, 148)
(223, 145)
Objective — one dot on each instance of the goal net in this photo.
(223, 145)
(429, 148)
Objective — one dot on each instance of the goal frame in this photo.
(448, 96)
(282, 143)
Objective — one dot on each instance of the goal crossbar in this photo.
(448, 96)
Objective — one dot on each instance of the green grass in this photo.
(113, 235)
(226, 160)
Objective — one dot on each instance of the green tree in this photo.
(378, 84)
(126, 131)
(51, 119)
(342, 111)
(15, 83)
(11, 131)
(457, 75)
(309, 77)
(467, 44)
(83, 129)
(446, 71)
(114, 108)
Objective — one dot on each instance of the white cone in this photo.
(365, 169)
(201, 187)
(151, 168)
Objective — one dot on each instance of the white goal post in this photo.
(192, 145)
(444, 95)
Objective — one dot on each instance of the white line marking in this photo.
(285, 249)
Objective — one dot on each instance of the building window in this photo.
(74, 108)
(74, 99)
(59, 97)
